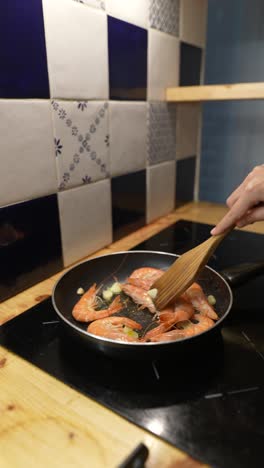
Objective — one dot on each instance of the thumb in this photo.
(257, 214)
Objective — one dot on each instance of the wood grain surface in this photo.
(221, 92)
(45, 423)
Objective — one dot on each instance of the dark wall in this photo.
(233, 132)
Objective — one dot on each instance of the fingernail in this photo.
(213, 231)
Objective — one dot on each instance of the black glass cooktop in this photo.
(210, 404)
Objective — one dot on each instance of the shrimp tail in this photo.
(115, 306)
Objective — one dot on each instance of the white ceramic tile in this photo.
(85, 217)
(193, 21)
(161, 132)
(133, 11)
(27, 162)
(128, 137)
(93, 3)
(187, 130)
(160, 190)
(76, 41)
(164, 16)
(81, 141)
(163, 64)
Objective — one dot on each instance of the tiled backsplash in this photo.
(89, 149)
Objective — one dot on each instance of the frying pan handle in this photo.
(242, 273)
(137, 458)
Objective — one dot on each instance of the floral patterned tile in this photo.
(93, 3)
(161, 132)
(164, 16)
(81, 141)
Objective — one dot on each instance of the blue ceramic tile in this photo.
(185, 178)
(190, 64)
(232, 134)
(128, 203)
(127, 49)
(30, 245)
(23, 58)
(234, 46)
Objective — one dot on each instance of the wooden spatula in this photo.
(184, 271)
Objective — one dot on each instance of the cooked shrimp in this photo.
(160, 329)
(145, 277)
(85, 309)
(139, 296)
(114, 328)
(171, 335)
(166, 314)
(199, 301)
(203, 324)
(181, 310)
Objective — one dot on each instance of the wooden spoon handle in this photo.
(214, 241)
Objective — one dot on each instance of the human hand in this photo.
(245, 203)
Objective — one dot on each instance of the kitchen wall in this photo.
(233, 136)
(89, 149)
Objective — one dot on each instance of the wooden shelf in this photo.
(224, 92)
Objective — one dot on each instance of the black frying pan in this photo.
(104, 270)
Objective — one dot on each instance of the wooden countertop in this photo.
(44, 422)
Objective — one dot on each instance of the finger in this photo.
(235, 195)
(238, 192)
(257, 214)
(232, 199)
(238, 210)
